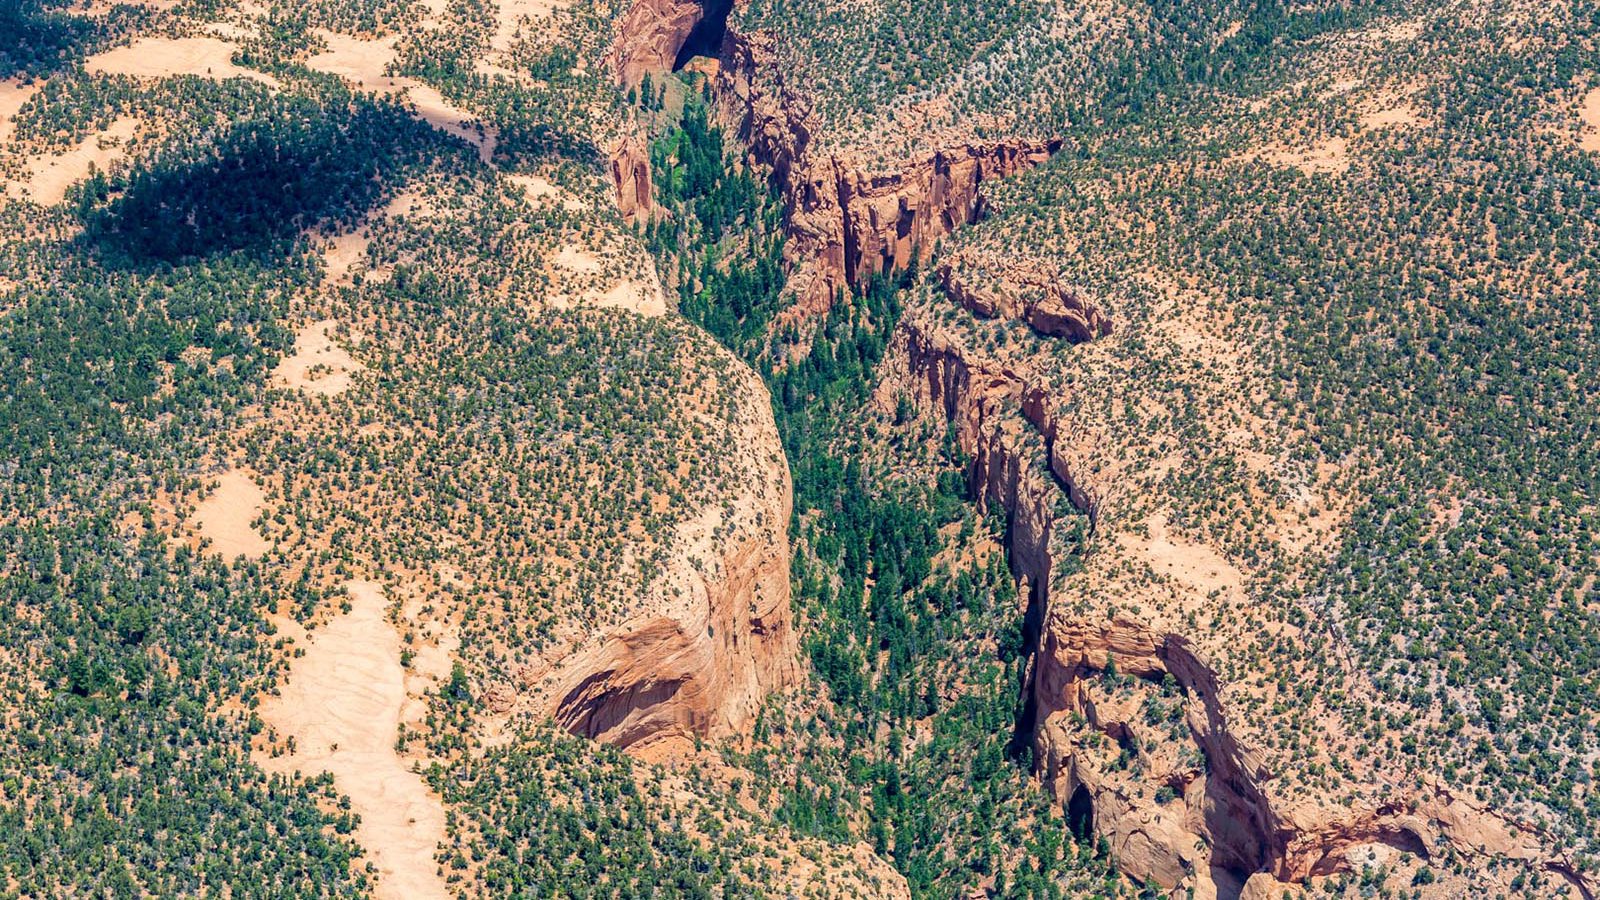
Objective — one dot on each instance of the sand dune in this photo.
(160, 57)
(342, 705)
(225, 516)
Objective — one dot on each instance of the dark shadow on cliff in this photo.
(36, 38)
(706, 37)
(254, 187)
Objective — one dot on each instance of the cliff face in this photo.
(1219, 823)
(1212, 818)
(653, 31)
(630, 179)
(847, 223)
(1048, 306)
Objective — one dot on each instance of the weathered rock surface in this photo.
(1040, 300)
(653, 32)
(630, 178)
(1224, 823)
(714, 636)
(845, 223)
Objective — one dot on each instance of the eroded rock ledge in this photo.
(711, 636)
(845, 222)
(1218, 823)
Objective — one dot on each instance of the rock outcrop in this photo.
(1221, 824)
(652, 34)
(714, 637)
(1042, 301)
(845, 222)
(630, 179)
(1225, 822)
(848, 223)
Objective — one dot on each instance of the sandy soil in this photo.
(225, 516)
(362, 62)
(1197, 568)
(580, 274)
(13, 95)
(50, 176)
(342, 705)
(318, 365)
(512, 13)
(160, 57)
(1591, 121)
(1400, 115)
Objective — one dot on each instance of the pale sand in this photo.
(49, 176)
(1591, 121)
(537, 188)
(225, 516)
(13, 96)
(513, 12)
(318, 365)
(1196, 567)
(342, 705)
(581, 272)
(1384, 118)
(160, 57)
(362, 63)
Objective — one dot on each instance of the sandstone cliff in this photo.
(1218, 823)
(1049, 307)
(845, 222)
(714, 636)
(630, 179)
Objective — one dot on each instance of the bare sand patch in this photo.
(225, 516)
(50, 175)
(161, 57)
(13, 96)
(318, 365)
(537, 188)
(1591, 121)
(342, 706)
(578, 260)
(1331, 155)
(1401, 115)
(362, 62)
(582, 278)
(1196, 567)
(512, 16)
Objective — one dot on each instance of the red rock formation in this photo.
(847, 223)
(1041, 301)
(651, 34)
(1226, 817)
(630, 178)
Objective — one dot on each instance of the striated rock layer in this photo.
(714, 636)
(1221, 824)
(845, 223)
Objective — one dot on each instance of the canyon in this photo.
(1217, 824)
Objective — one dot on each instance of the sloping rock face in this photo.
(630, 178)
(714, 637)
(845, 223)
(1220, 823)
(1049, 307)
(654, 31)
